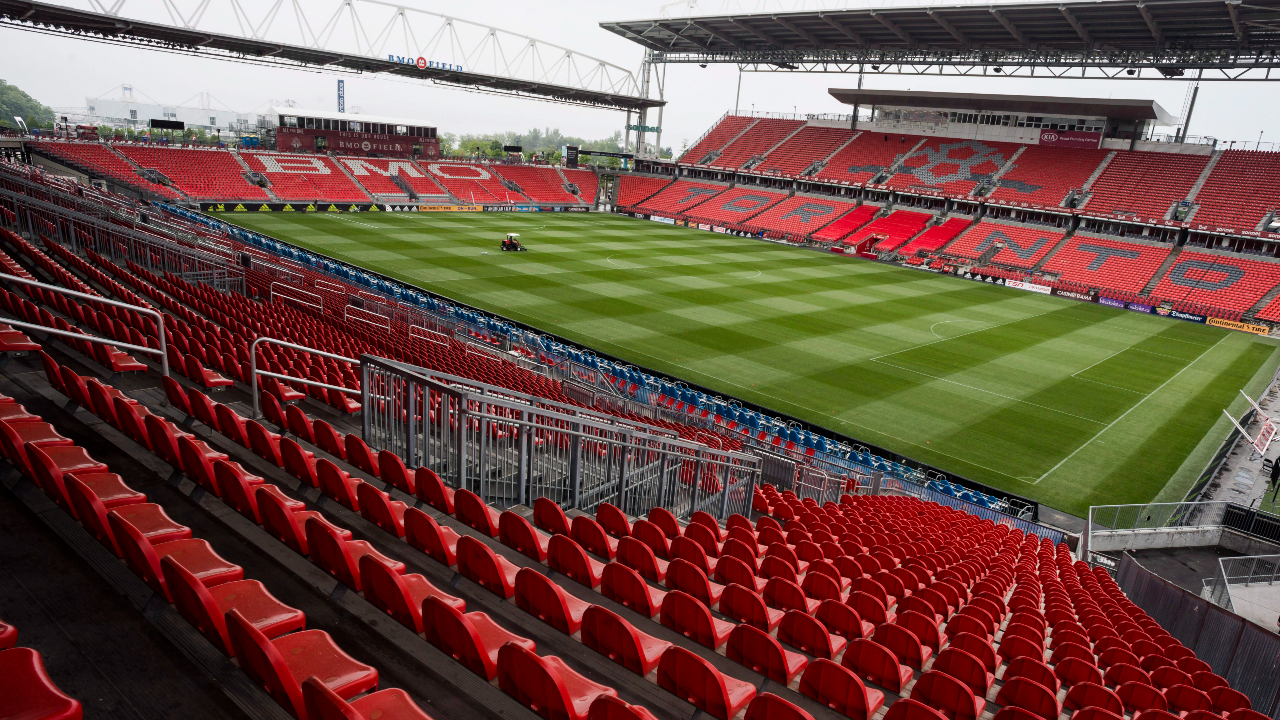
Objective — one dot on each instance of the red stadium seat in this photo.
(947, 695)
(195, 555)
(840, 689)
(611, 636)
(758, 650)
(206, 607)
(1184, 699)
(684, 614)
(475, 513)
(479, 563)
(611, 708)
(624, 585)
(1226, 700)
(518, 534)
(378, 508)
(1022, 692)
(876, 664)
(539, 596)
(1070, 671)
(425, 534)
(1138, 696)
(390, 704)
(695, 680)
(472, 639)
(548, 516)
(683, 576)
(567, 557)
(30, 693)
(807, 634)
(341, 557)
(904, 644)
(546, 684)
(1088, 694)
(588, 534)
(966, 668)
(1032, 669)
(767, 706)
(400, 596)
(613, 520)
(432, 490)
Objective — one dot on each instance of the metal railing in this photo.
(254, 372)
(510, 450)
(1179, 515)
(164, 356)
(1248, 570)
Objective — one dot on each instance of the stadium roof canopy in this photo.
(1064, 106)
(598, 83)
(1168, 36)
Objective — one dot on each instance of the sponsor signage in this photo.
(717, 228)
(1071, 138)
(602, 153)
(450, 208)
(1030, 287)
(983, 278)
(658, 218)
(1139, 307)
(1086, 297)
(1242, 327)
(511, 208)
(645, 128)
(422, 63)
(288, 207)
(571, 156)
(1179, 315)
(342, 96)
(704, 226)
(1265, 435)
(1109, 302)
(311, 140)
(577, 209)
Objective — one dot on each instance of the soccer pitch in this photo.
(1069, 403)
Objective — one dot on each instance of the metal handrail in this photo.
(162, 352)
(254, 372)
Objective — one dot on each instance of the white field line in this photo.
(1126, 412)
(956, 337)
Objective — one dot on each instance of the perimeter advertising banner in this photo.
(1179, 315)
(1084, 297)
(1243, 327)
(288, 207)
(1029, 287)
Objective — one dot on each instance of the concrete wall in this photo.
(1175, 148)
(1121, 540)
(59, 169)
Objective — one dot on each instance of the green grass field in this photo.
(1069, 403)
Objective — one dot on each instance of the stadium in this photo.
(949, 406)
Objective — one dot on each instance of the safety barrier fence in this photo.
(1244, 653)
(1118, 519)
(1248, 570)
(510, 450)
(161, 351)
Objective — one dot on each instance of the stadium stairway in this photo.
(1162, 271)
(270, 193)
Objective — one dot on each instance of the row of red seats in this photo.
(893, 229)
(801, 150)
(1144, 184)
(680, 196)
(801, 215)
(1239, 193)
(1220, 281)
(471, 637)
(716, 138)
(473, 183)
(634, 189)
(951, 165)
(734, 206)
(304, 177)
(587, 181)
(375, 175)
(240, 617)
(763, 135)
(541, 183)
(1043, 175)
(935, 237)
(201, 174)
(1022, 246)
(100, 160)
(847, 224)
(1105, 263)
(868, 155)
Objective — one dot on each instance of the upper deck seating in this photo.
(1144, 184)
(763, 135)
(201, 174)
(810, 144)
(1240, 191)
(868, 155)
(1043, 175)
(1104, 263)
(951, 166)
(716, 138)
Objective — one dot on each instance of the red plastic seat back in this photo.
(1226, 700)
(299, 424)
(874, 662)
(386, 589)
(744, 605)
(732, 570)
(1071, 671)
(431, 489)
(451, 631)
(684, 614)
(977, 647)
(375, 506)
(279, 521)
(263, 662)
(260, 442)
(767, 706)
(1089, 694)
(325, 704)
(838, 688)
(651, 535)
(840, 619)
(963, 667)
(666, 522)
(902, 642)
(295, 462)
(515, 532)
(611, 636)
(532, 682)
(196, 604)
(588, 533)
(607, 707)
(176, 396)
(685, 549)
(329, 551)
(477, 562)
(613, 520)
(869, 608)
(359, 454)
(393, 472)
(328, 439)
(1029, 695)
(1141, 696)
(138, 554)
(922, 627)
(622, 584)
(1184, 698)
(335, 482)
(757, 650)
(541, 597)
(1122, 673)
(473, 512)
(234, 490)
(694, 679)
(229, 424)
(683, 576)
(567, 557)
(424, 533)
(785, 595)
(943, 692)
(805, 633)
(1095, 713)
(548, 516)
(196, 465)
(908, 709)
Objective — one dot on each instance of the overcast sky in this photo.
(62, 72)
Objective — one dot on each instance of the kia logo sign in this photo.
(1046, 137)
